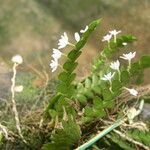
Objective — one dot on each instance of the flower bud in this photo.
(17, 59)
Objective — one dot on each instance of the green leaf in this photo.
(107, 95)
(125, 39)
(94, 113)
(65, 89)
(81, 98)
(107, 52)
(98, 63)
(140, 136)
(88, 93)
(95, 79)
(139, 78)
(128, 38)
(95, 147)
(74, 54)
(69, 66)
(97, 102)
(53, 113)
(88, 111)
(62, 88)
(66, 104)
(116, 85)
(66, 77)
(136, 72)
(64, 138)
(125, 77)
(52, 146)
(109, 103)
(88, 83)
(86, 119)
(80, 88)
(121, 143)
(135, 68)
(96, 89)
(145, 61)
(51, 103)
(85, 35)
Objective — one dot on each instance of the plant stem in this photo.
(71, 44)
(115, 39)
(109, 44)
(14, 107)
(110, 88)
(129, 66)
(119, 73)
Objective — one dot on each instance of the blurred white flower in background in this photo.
(124, 43)
(114, 33)
(54, 64)
(18, 88)
(17, 59)
(56, 54)
(84, 30)
(115, 65)
(107, 38)
(63, 41)
(77, 36)
(132, 91)
(108, 76)
(128, 56)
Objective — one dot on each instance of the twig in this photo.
(131, 140)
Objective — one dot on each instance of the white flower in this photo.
(18, 88)
(107, 38)
(114, 32)
(17, 59)
(63, 41)
(132, 91)
(77, 36)
(124, 43)
(84, 30)
(115, 65)
(128, 56)
(108, 76)
(54, 65)
(56, 54)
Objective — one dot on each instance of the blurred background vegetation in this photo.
(32, 27)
